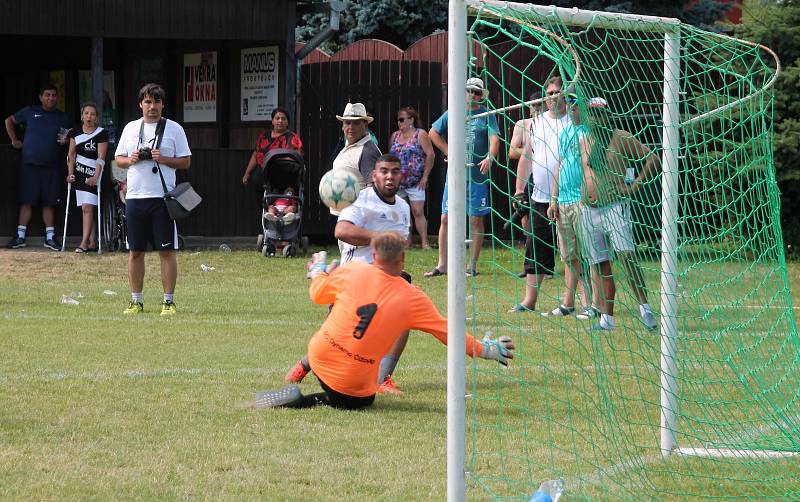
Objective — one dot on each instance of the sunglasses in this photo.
(572, 100)
(403, 119)
(475, 93)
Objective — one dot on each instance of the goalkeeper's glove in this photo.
(498, 349)
(317, 265)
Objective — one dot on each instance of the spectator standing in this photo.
(607, 154)
(483, 146)
(148, 220)
(85, 162)
(540, 248)
(413, 147)
(43, 154)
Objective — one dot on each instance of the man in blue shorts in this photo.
(43, 162)
(483, 136)
(143, 145)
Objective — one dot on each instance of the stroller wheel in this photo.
(259, 241)
(265, 251)
(289, 251)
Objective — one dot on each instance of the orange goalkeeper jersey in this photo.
(371, 309)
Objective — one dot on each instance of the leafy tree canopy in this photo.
(403, 22)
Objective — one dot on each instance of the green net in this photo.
(586, 405)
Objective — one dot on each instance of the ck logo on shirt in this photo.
(90, 146)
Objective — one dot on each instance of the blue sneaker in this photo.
(52, 244)
(16, 243)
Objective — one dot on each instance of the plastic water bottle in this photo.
(206, 268)
(224, 248)
(76, 294)
(66, 300)
(549, 491)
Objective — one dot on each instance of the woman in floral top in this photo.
(413, 147)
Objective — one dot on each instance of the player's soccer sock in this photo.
(168, 297)
(388, 363)
(607, 321)
(50, 231)
(21, 230)
(136, 297)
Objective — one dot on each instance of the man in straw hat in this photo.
(359, 152)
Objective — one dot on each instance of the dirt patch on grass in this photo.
(39, 264)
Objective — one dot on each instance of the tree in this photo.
(774, 23)
(403, 22)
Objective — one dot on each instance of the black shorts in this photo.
(343, 401)
(39, 185)
(540, 251)
(148, 222)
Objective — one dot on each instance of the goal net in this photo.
(706, 404)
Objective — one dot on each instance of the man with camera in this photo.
(146, 146)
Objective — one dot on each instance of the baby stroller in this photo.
(282, 168)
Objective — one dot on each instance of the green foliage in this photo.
(404, 22)
(774, 24)
(400, 23)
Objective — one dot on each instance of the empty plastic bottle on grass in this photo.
(67, 300)
(224, 248)
(206, 268)
(549, 491)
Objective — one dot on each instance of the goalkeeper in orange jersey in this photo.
(372, 306)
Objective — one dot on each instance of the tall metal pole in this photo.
(669, 239)
(456, 234)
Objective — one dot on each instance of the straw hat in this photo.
(355, 111)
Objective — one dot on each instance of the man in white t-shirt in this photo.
(140, 152)
(544, 157)
(377, 209)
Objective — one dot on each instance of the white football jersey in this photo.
(369, 211)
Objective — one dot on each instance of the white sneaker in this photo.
(587, 313)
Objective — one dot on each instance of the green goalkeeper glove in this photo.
(499, 349)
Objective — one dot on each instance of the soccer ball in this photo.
(339, 188)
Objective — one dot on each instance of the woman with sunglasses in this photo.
(413, 147)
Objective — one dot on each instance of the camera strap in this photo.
(162, 124)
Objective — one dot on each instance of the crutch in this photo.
(66, 215)
(100, 164)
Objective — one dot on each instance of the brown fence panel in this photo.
(382, 85)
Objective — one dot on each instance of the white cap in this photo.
(355, 111)
(597, 103)
(475, 84)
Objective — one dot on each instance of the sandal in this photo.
(519, 308)
(435, 272)
(471, 272)
(80, 250)
(560, 311)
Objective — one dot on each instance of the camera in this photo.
(145, 153)
(521, 209)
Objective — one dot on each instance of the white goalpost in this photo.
(670, 137)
